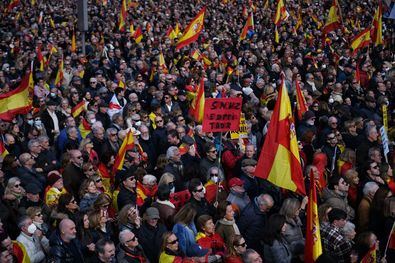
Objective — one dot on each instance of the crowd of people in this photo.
(185, 195)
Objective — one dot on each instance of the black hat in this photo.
(308, 115)
(51, 103)
(188, 140)
(32, 189)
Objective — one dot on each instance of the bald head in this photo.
(67, 230)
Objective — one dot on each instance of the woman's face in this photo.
(59, 184)
(38, 217)
(241, 247)
(172, 243)
(283, 228)
(72, 206)
(92, 188)
(17, 188)
(209, 227)
(86, 222)
(229, 214)
(355, 180)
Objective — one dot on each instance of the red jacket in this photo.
(213, 242)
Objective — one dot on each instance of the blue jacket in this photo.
(186, 240)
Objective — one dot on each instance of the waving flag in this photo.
(248, 26)
(12, 5)
(300, 100)
(162, 63)
(281, 13)
(19, 100)
(85, 128)
(197, 105)
(3, 150)
(361, 40)
(279, 161)
(73, 43)
(193, 30)
(59, 75)
(114, 106)
(122, 17)
(334, 20)
(127, 144)
(377, 26)
(313, 248)
(78, 109)
(40, 58)
(138, 35)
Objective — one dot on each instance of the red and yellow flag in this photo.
(3, 150)
(170, 33)
(313, 248)
(78, 109)
(361, 40)
(73, 43)
(12, 5)
(281, 13)
(279, 161)
(197, 104)
(19, 100)
(138, 35)
(162, 63)
(334, 20)
(122, 16)
(301, 102)
(193, 30)
(127, 144)
(40, 58)
(85, 128)
(248, 25)
(377, 26)
(59, 75)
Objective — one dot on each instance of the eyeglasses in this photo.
(375, 167)
(78, 157)
(131, 178)
(73, 201)
(199, 190)
(113, 134)
(181, 120)
(132, 239)
(173, 242)
(39, 214)
(214, 174)
(98, 180)
(17, 185)
(212, 151)
(158, 121)
(239, 95)
(331, 138)
(93, 82)
(171, 184)
(242, 244)
(167, 97)
(91, 169)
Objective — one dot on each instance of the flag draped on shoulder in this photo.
(197, 105)
(313, 248)
(19, 100)
(334, 20)
(361, 40)
(300, 100)
(193, 30)
(127, 144)
(85, 128)
(3, 150)
(377, 26)
(122, 16)
(249, 25)
(77, 109)
(279, 161)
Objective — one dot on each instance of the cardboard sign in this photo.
(384, 140)
(242, 132)
(222, 115)
(385, 117)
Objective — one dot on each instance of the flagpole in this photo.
(219, 168)
(389, 238)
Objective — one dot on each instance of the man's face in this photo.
(77, 159)
(212, 154)
(343, 186)
(374, 169)
(331, 139)
(108, 253)
(373, 135)
(250, 151)
(159, 122)
(99, 134)
(33, 197)
(7, 243)
(376, 156)
(198, 194)
(70, 232)
(255, 258)
(35, 148)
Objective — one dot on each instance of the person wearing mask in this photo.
(30, 238)
(150, 234)
(237, 195)
(129, 248)
(333, 240)
(276, 247)
(105, 250)
(253, 218)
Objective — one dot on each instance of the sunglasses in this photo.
(199, 190)
(98, 180)
(17, 185)
(214, 174)
(375, 167)
(242, 244)
(159, 121)
(132, 239)
(39, 214)
(212, 151)
(173, 242)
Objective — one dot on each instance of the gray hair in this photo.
(122, 235)
(348, 227)
(111, 130)
(31, 142)
(22, 221)
(43, 138)
(171, 152)
(370, 188)
(264, 199)
(220, 173)
(247, 254)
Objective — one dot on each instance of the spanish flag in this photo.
(19, 251)
(377, 26)
(197, 104)
(299, 21)
(127, 144)
(12, 5)
(279, 161)
(170, 33)
(77, 109)
(138, 35)
(177, 29)
(122, 17)
(162, 63)
(193, 30)
(281, 13)
(40, 58)
(334, 19)
(3, 150)
(313, 248)
(19, 100)
(300, 100)
(248, 25)
(361, 40)
(85, 128)
(73, 43)
(51, 22)
(59, 75)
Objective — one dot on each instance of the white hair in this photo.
(348, 227)
(149, 178)
(370, 188)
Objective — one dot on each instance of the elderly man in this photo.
(253, 220)
(30, 238)
(27, 173)
(175, 167)
(130, 248)
(73, 174)
(369, 191)
(238, 195)
(65, 247)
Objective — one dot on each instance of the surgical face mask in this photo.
(92, 121)
(30, 122)
(138, 123)
(31, 228)
(38, 123)
(215, 179)
(52, 94)
(173, 190)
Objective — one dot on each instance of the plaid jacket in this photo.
(335, 243)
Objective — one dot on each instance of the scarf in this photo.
(227, 222)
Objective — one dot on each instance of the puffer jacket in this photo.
(293, 233)
(338, 200)
(62, 252)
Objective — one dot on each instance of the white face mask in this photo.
(204, 190)
(38, 123)
(215, 179)
(173, 190)
(92, 121)
(30, 122)
(31, 229)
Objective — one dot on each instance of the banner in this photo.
(222, 114)
(242, 132)
(384, 140)
(385, 117)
